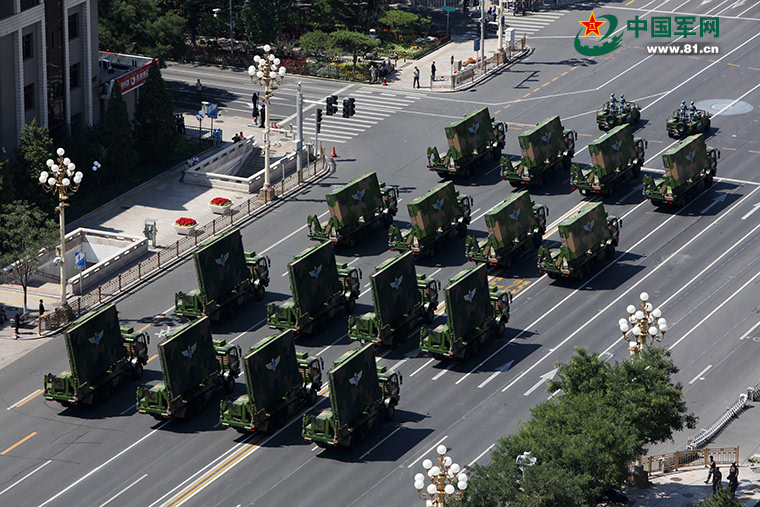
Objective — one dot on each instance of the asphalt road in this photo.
(699, 264)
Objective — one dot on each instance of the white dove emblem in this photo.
(272, 365)
(590, 226)
(356, 378)
(437, 206)
(223, 259)
(516, 215)
(547, 137)
(190, 351)
(96, 339)
(358, 196)
(470, 295)
(397, 282)
(316, 271)
(474, 128)
(690, 156)
(617, 145)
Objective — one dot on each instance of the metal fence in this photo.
(475, 70)
(709, 433)
(185, 245)
(672, 461)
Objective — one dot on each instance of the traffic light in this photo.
(329, 110)
(332, 105)
(346, 108)
(351, 106)
(319, 121)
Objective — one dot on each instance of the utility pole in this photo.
(483, 34)
(299, 133)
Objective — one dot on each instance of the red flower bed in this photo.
(185, 222)
(220, 201)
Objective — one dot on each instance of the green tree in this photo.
(324, 15)
(404, 23)
(116, 134)
(315, 43)
(585, 438)
(33, 151)
(26, 232)
(6, 184)
(154, 124)
(264, 21)
(720, 499)
(140, 27)
(354, 43)
(83, 147)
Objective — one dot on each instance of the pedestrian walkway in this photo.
(529, 24)
(373, 105)
(686, 487)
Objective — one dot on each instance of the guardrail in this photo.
(709, 433)
(475, 70)
(182, 247)
(672, 461)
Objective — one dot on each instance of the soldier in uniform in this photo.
(623, 103)
(692, 111)
(613, 104)
(683, 109)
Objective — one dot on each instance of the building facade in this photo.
(49, 57)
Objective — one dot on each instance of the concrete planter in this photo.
(185, 230)
(220, 210)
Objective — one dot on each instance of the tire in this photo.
(656, 202)
(552, 275)
(361, 236)
(515, 184)
(350, 305)
(636, 171)
(567, 162)
(637, 117)
(708, 180)
(581, 274)
(229, 384)
(351, 241)
(609, 252)
(311, 398)
(507, 262)
(462, 229)
(611, 120)
(681, 128)
(500, 328)
(496, 154)
(429, 315)
(390, 411)
(259, 292)
(387, 220)
(707, 126)
(537, 238)
(137, 371)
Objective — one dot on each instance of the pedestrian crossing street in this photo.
(528, 24)
(373, 105)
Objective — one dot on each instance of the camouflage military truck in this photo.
(227, 277)
(436, 217)
(194, 366)
(689, 168)
(473, 313)
(545, 147)
(514, 226)
(278, 380)
(471, 140)
(319, 286)
(101, 356)
(360, 393)
(355, 208)
(620, 114)
(683, 122)
(587, 238)
(616, 157)
(401, 296)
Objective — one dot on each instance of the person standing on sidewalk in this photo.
(16, 324)
(733, 478)
(717, 478)
(42, 308)
(416, 82)
(712, 470)
(432, 72)
(199, 87)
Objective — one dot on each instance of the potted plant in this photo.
(753, 460)
(185, 226)
(220, 205)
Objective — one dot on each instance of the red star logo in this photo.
(592, 26)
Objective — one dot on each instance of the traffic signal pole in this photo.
(299, 133)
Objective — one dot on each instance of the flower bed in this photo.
(220, 205)
(185, 226)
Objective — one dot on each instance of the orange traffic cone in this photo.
(385, 83)
(333, 154)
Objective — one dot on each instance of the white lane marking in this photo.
(122, 491)
(481, 454)
(128, 409)
(379, 443)
(113, 458)
(26, 476)
(546, 376)
(35, 393)
(749, 213)
(502, 368)
(440, 374)
(259, 323)
(429, 450)
(750, 331)
(421, 367)
(699, 375)
(290, 235)
(333, 343)
(719, 198)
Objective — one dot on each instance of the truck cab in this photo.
(258, 265)
(229, 360)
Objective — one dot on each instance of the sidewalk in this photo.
(687, 486)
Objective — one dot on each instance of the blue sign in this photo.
(79, 260)
(212, 108)
(477, 44)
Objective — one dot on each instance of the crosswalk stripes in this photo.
(372, 107)
(529, 24)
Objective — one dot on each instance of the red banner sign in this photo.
(133, 78)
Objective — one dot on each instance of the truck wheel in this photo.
(390, 411)
(229, 384)
(656, 202)
(259, 292)
(311, 398)
(387, 220)
(362, 433)
(681, 128)
(707, 126)
(636, 171)
(514, 184)
(350, 305)
(581, 274)
(500, 328)
(137, 371)
(611, 120)
(497, 154)
(609, 252)
(462, 229)
(351, 241)
(708, 180)
(537, 238)
(429, 315)
(361, 236)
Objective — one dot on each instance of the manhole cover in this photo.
(724, 106)
(676, 479)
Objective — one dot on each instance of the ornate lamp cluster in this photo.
(643, 324)
(63, 177)
(443, 478)
(267, 70)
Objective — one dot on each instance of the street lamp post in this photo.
(443, 477)
(267, 71)
(643, 324)
(63, 179)
(200, 117)
(232, 35)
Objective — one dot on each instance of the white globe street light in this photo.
(445, 480)
(643, 324)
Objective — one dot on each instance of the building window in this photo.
(74, 26)
(26, 45)
(74, 76)
(29, 97)
(28, 4)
